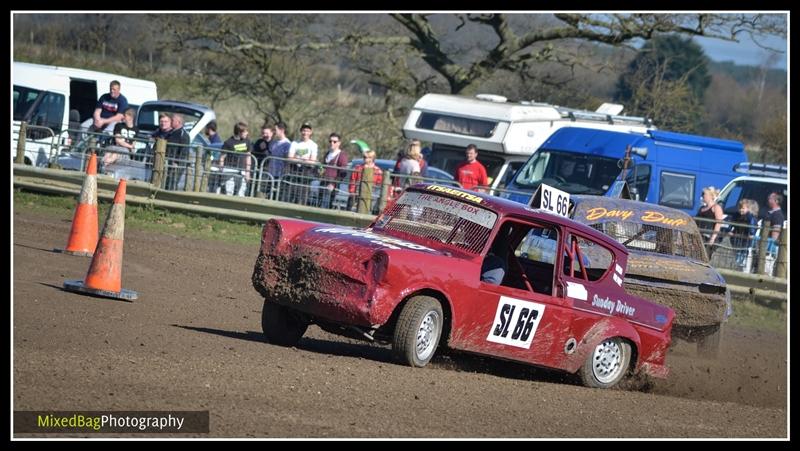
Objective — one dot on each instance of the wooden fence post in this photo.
(23, 131)
(783, 254)
(762, 247)
(159, 162)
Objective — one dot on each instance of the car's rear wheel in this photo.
(281, 326)
(418, 330)
(607, 364)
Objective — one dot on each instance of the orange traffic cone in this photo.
(83, 236)
(105, 272)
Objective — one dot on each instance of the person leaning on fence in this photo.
(164, 127)
(335, 169)
(261, 146)
(109, 108)
(163, 132)
(261, 151)
(124, 134)
(776, 218)
(278, 152)
(214, 141)
(235, 165)
(711, 212)
(212, 135)
(744, 229)
(177, 153)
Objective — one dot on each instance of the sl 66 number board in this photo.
(515, 322)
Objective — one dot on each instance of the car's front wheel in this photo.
(418, 330)
(607, 364)
(281, 326)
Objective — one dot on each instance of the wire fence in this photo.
(747, 248)
(180, 167)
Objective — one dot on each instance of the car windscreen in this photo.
(438, 218)
(568, 171)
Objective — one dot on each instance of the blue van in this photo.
(665, 168)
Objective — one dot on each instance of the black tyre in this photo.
(418, 330)
(607, 364)
(708, 346)
(281, 326)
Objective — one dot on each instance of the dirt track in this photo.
(193, 342)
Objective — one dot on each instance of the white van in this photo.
(761, 180)
(53, 99)
(506, 133)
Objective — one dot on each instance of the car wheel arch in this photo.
(444, 301)
(604, 329)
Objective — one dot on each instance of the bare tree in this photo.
(774, 143)
(514, 51)
(670, 103)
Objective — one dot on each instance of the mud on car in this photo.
(667, 263)
(413, 278)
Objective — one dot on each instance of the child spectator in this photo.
(355, 176)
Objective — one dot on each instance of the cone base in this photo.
(77, 286)
(78, 253)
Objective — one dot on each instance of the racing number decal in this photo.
(515, 322)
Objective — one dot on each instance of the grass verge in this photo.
(147, 218)
(755, 315)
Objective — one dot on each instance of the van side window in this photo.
(677, 190)
(458, 125)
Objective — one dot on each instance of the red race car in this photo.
(470, 271)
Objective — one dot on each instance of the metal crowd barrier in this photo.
(177, 167)
(36, 143)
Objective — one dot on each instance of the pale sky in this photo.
(745, 52)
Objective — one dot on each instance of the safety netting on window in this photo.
(440, 219)
(653, 238)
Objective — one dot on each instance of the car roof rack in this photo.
(762, 169)
(585, 115)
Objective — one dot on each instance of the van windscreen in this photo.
(570, 172)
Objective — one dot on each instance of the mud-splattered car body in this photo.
(667, 263)
(427, 249)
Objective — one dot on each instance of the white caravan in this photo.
(506, 133)
(53, 99)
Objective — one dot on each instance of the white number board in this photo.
(554, 200)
